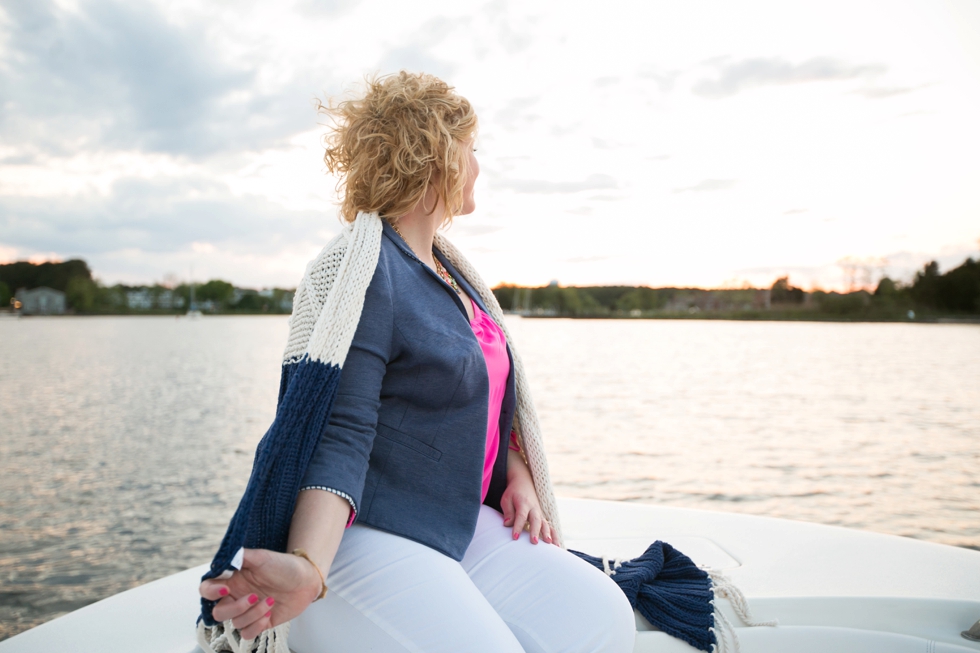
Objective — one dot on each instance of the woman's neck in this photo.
(418, 228)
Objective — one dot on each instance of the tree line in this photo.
(85, 294)
(930, 294)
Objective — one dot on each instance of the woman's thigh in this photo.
(551, 600)
(391, 595)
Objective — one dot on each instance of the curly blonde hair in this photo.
(386, 147)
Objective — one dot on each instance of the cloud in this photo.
(795, 211)
(159, 216)
(602, 82)
(320, 8)
(708, 185)
(881, 92)
(415, 58)
(463, 227)
(750, 73)
(664, 79)
(592, 182)
(120, 76)
(516, 111)
(910, 114)
(585, 259)
(415, 55)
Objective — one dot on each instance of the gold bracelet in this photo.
(302, 554)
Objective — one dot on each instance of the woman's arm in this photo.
(271, 588)
(318, 524)
(520, 502)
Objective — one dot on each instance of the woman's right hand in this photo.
(270, 589)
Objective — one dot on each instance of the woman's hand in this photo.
(271, 588)
(520, 502)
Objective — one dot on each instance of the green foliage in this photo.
(80, 294)
(887, 288)
(5, 295)
(253, 303)
(957, 291)
(24, 274)
(218, 291)
(783, 293)
(111, 299)
(852, 304)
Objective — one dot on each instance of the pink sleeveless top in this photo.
(494, 346)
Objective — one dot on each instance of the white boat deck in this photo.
(834, 590)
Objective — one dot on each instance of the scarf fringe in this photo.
(224, 638)
(725, 636)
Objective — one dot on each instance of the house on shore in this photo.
(41, 301)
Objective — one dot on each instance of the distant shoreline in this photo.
(719, 317)
(763, 318)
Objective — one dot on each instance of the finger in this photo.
(507, 507)
(258, 606)
(519, 520)
(212, 589)
(535, 530)
(546, 531)
(262, 623)
(232, 608)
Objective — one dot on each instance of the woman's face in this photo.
(472, 172)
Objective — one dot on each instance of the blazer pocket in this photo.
(408, 441)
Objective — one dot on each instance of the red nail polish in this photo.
(268, 613)
(516, 535)
(269, 601)
(252, 598)
(223, 591)
(534, 540)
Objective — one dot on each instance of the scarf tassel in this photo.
(678, 597)
(224, 638)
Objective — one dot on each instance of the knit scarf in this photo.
(326, 312)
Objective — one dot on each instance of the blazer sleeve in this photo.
(340, 460)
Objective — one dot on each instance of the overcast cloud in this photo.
(774, 71)
(121, 76)
(152, 137)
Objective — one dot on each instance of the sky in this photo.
(662, 143)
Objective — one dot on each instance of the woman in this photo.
(418, 503)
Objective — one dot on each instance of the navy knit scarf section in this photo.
(669, 590)
(306, 394)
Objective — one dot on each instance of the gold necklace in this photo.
(444, 273)
(440, 269)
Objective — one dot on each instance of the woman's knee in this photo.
(613, 617)
(561, 604)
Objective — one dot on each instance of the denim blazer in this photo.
(406, 438)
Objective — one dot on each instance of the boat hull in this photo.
(832, 589)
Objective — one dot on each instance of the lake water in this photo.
(125, 442)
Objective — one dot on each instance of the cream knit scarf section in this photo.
(326, 311)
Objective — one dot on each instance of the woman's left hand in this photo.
(520, 504)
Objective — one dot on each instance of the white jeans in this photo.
(391, 595)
